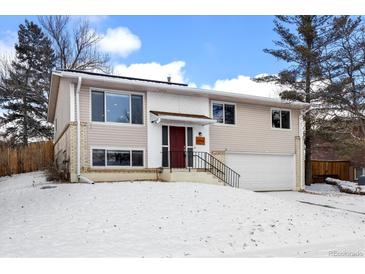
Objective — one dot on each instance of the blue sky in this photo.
(205, 51)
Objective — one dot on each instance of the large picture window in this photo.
(280, 118)
(119, 158)
(224, 113)
(116, 107)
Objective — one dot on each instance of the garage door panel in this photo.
(263, 171)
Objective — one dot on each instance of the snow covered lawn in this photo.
(325, 195)
(151, 219)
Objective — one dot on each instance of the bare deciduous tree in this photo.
(343, 121)
(77, 48)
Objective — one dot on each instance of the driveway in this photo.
(326, 196)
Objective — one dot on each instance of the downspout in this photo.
(80, 179)
(78, 125)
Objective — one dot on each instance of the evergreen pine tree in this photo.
(303, 44)
(25, 89)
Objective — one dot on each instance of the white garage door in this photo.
(263, 171)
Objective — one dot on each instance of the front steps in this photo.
(194, 175)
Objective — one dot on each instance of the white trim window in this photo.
(165, 146)
(117, 157)
(280, 118)
(358, 171)
(116, 107)
(224, 113)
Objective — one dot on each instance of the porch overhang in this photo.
(174, 117)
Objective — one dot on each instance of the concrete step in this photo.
(196, 176)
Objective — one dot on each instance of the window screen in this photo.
(97, 102)
(137, 158)
(98, 157)
(118, 157)
(218, 112)
(137, 109)
(229, 113)
(165, 156)
(275, 118)
(165, 136)
(117, 108)
(285, 119)
(280, 118)
(190, 136)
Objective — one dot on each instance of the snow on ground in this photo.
(322, 188)
(347, 186)
(151, 219)
(324, 195)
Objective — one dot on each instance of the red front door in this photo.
(177, 147)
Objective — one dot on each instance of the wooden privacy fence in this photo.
(32, 157)
(334, 169)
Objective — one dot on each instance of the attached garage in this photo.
(263, 172)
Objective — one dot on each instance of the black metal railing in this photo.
(201, 161)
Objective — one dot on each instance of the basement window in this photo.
(117, 158)
(98, 157)
(280, 118)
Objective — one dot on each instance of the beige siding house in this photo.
(111, 128)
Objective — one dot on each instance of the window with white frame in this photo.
(280, 118)
(165, 146)
(116, 107)
(358, 171)
(224, 113)
(119, 158)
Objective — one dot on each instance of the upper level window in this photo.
(116, 107)
(280, 118)
(224, 113)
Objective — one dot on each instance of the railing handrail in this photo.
(224, 172)
(219, 161)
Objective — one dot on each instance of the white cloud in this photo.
(7, 50)
(154, 71)
(244, 84)
(120, 41)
